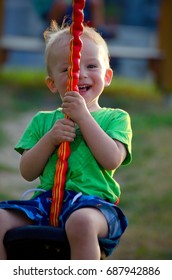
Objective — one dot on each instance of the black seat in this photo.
(37, 243)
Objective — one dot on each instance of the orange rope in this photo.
(72, 85)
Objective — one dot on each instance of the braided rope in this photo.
(76, 30)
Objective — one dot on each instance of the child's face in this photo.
(94, 74)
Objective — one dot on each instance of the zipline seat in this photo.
(37, 243)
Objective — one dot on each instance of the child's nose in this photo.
(82, 72)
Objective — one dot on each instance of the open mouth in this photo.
(83, 88)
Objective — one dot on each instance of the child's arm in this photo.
(34, 160)
(108, 152)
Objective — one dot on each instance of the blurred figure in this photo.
(57, 9)
(93, 12)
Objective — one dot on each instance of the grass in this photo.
(146, 191)
(31, 78)
(23, 77)
(145, 184)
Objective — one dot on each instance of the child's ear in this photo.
(108, 76)
(50, 84)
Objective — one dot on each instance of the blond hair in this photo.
(56, 33)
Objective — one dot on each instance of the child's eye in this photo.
(92, 66)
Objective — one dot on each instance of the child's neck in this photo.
(94, 108)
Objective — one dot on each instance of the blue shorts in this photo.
(38, 210)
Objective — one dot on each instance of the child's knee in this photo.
(12, 218)
(80, 223)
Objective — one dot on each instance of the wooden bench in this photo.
(154, 56)
(33, 44)
(134, 52)
(19, 43)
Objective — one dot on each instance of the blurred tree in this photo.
(165, 40)
(1, 15)
(2, 53)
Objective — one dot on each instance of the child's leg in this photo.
(10, 219)
(83, 228)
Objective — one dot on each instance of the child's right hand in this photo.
(63, 130)
(33, 161)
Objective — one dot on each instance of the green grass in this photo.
(146, 183)
(146, 188)
(31, 78)
(23, 77)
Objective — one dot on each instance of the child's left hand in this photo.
(74, 106)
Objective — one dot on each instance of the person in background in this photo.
(94, 13)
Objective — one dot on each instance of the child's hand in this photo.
(63, 130)
(74, 106)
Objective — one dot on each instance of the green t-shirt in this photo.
(84, 173)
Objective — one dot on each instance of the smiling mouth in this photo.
(84, 88)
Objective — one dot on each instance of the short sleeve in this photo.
(30, 136)
(119, 128)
